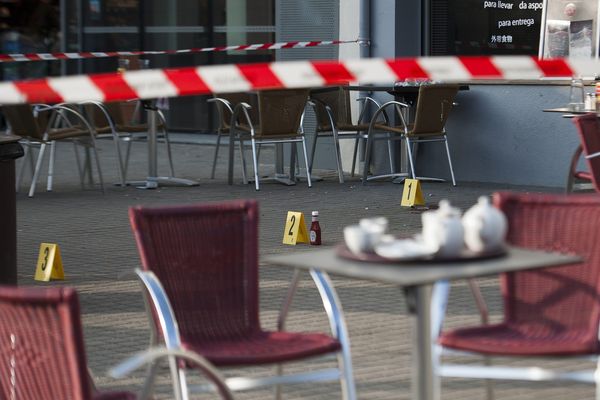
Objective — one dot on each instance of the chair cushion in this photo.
(584, 175)
(520, 339)
(265, 348)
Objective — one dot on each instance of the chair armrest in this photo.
(60, 109)
(224, 102)
(158, 301)
(382, 110)
(479, 301)
(154, 353)
(242, 108)
(593, 155)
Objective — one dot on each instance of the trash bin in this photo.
(10, 149)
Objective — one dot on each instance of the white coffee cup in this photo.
(361, 240)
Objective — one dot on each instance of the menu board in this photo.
(486, 27)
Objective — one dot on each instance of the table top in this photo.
(567, 110)
(418, 273)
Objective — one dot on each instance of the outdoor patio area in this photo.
(99, 253)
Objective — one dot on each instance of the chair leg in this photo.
(390, 154)
(214, 165)
(80, 169)
(449, 160)
(338, 155)
(243, 158)
(489, 383)
(313, 149)
(95, 150)
(572, 169)
(255, 161)
(356, 142)
(27, 156)
(169, 153)
(176, 380)
(410, 157)
(278, 388)
(148, 386)
(120, 165)
(50, 177)
(38, 167)
(127, 153)
(368, 151)
(306, 162)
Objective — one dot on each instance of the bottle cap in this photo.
(315, 213)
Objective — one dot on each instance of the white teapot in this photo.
(485, 227)
(443, 231)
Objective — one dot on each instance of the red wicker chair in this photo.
(41, 343)
(206, 257)
(589, 135)
(553, 312)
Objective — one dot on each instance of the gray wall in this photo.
(498, 133)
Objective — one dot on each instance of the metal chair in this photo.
(206, 257)
(589, 136)
(334, 118)
(110, 118)
(433, 108)
(552, 312)
(225, 103)
(45, 125)
(43, 354)
(41, 345)
(278, 120)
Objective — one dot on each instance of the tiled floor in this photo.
(98, 250)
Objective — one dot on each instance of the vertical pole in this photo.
(426, 32)
(8, 229)
(425, 385)
(152, 156)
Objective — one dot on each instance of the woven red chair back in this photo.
(206, 257)
(41, 344)
(589, 135)
(563, 298)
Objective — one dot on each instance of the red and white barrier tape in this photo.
(153, 83)
(4, 58)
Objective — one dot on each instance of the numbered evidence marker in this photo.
(49, 265)
(412, 194)
(295, 229)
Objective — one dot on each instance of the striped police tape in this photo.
(21, 57)
(153, 83)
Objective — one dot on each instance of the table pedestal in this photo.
(153, 181)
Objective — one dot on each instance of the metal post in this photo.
(424, 383)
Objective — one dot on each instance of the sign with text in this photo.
(295, 229)
(494, 27)
(412, 195)
(49, 264)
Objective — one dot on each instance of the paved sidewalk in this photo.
(97, 247)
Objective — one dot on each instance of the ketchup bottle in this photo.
(315, 229)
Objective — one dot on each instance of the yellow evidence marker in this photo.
(295, 229)
(49, 264)
(412, 195)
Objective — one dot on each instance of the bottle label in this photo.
(313, 236)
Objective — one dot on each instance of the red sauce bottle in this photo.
(315, 229)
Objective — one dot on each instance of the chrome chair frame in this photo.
(59, 114)
(409, 144)
(242, 109)
(337, 134)
(490, 372)
(157, 304)
(227, 104)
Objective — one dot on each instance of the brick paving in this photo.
(98, 248)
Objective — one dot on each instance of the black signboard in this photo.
(490, 27)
